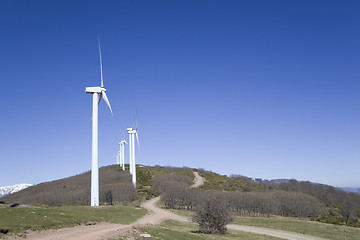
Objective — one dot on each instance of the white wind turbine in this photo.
(132, 132)
(97, 93)
(118, 158)
(121, 154)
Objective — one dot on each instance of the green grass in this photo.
(327, 231)
(24, 218)
(170, 230)
(185, 213)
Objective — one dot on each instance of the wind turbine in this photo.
(118, 158)
(129, 130)
(132, 132)
(97, 93)
(121, 154)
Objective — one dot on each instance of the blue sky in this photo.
(265, 89)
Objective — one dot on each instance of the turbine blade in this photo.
(137, 138)
(101, 70)
(107, 101)
(99, 98)
(136, 118)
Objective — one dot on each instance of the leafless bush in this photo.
(348, 210)
(298, 205)
(213, 214)
(161, 181)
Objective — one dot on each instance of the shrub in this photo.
(213, 214)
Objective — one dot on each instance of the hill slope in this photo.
(115, 187)
(76, 189)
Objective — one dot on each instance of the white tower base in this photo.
(95, 154)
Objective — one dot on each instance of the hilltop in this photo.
(115, 187)
(320, 202)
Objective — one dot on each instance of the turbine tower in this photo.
(132, 132)
(121, 154)
(97, 93)
(118, 158)
(129, 130)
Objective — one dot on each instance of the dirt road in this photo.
(272, 232)
(100, 231)
(198, 181)
(157, 215)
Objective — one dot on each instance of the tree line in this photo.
(290, 199)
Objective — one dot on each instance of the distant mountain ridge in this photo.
(278, 181)
(13, 188)
(355, 190)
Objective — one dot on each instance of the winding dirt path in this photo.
(157, 215)
(198, 181)
(104, 231)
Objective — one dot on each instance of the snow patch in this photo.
(13, 189)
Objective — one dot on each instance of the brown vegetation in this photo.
(213, 214)
(115, 187)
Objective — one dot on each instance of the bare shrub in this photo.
(108, 198)
(213, 214)
(161, 181)
(348, 210)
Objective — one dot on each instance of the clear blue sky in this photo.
(267, 89)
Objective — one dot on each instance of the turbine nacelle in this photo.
(95, 90)
(102, 92)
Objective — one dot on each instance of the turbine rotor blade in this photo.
(136, 118)
(107, 101)
(101, 70)
(100, 94)
(137, 138)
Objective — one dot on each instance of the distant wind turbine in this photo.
(121, 154)
(97, 93)
(118, 158)
(132, 132)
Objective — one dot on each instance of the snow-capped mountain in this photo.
(13, 188)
